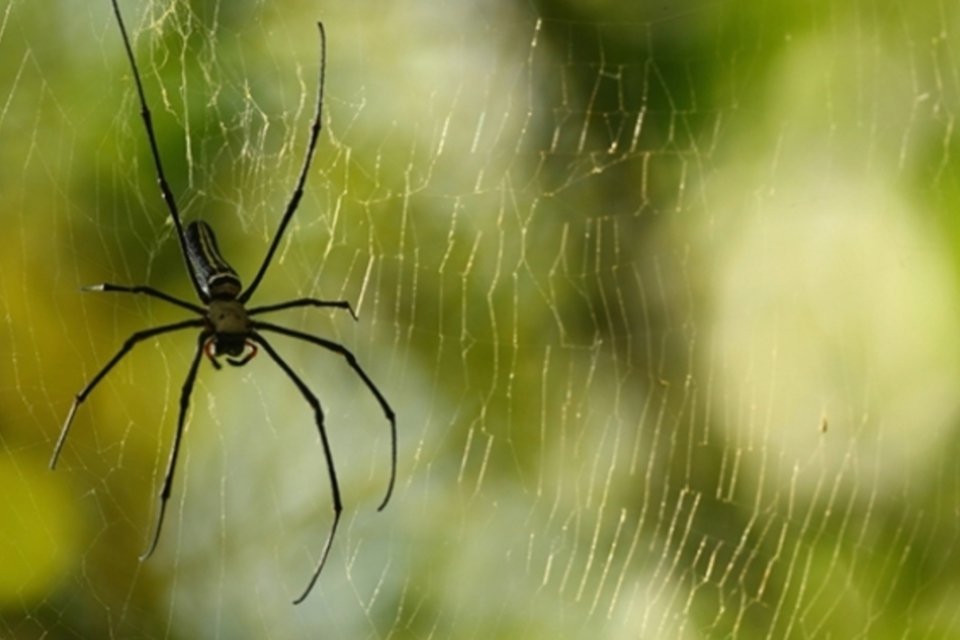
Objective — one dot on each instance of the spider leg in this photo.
(298, 191)
(150, 291)
(303, 302)
(352, 361)
(175, 449)
(137, 337)
(327, 453)
(155, 151)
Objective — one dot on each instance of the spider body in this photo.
(227, 320)
(227, 327)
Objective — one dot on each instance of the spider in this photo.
(227, 328)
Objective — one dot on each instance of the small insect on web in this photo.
(227, 327)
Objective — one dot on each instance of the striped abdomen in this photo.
(217, 279)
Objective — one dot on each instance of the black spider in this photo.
(226, 325)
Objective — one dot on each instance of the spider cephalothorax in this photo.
(227, 327)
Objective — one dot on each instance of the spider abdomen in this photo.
(217, 278)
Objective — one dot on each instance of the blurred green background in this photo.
(664, 296)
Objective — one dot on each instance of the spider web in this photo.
(664, 299)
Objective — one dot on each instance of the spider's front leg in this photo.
(129, 344)
(167, 487)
